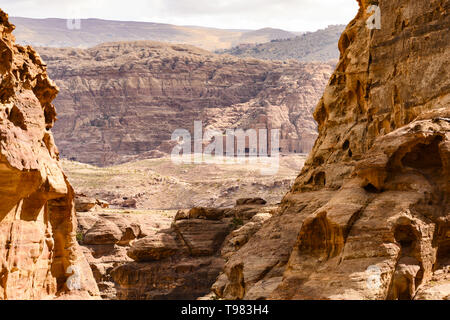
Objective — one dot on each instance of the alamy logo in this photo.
(74, 281)
(232, 146)
(73, 23)
(374, 279)
(374, 21)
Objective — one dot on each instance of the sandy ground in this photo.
(161, 184)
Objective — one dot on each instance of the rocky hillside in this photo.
(92, 32)
(120, 101)
(320, 45)
(369, 215)
(39, 256)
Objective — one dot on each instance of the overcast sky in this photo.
(293, 15)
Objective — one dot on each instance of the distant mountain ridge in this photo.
(321, 45)
(54, 32)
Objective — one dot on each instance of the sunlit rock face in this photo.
(368, 217)
(37, 221)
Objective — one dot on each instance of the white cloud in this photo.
(295, 15)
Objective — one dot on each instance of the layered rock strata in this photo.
(368, 217)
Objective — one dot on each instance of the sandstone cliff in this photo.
(38, 250)
(119, 101)
(368, 217)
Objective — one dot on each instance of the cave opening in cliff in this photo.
(424, 156)
(409, 271)
(405, 236)
(346, 145)
(17, 118)
(316, 239)
(320, 179)
(371, 188)
(443, 256)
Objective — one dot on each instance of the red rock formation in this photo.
(369, 216)
(37, 216)
(121, 101)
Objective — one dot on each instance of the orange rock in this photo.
(374, 191)
(37, 215)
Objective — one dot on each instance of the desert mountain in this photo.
(311, 46)
(121, 101)
(92, 32)
(369, 215)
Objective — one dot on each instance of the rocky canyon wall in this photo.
(121, 101)
(38, 250)
(369, 215)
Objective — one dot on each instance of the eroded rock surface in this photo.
(368, 217)
(151, 256)
(38, 250)
(106, 239)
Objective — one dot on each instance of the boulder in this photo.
(130, 229)
(85, 204)
(182, 215)
(103, 232)
(102, 203)
(153, 248)
(202, 237)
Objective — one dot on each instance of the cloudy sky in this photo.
(293, 15)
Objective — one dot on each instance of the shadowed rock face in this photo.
(37, 221)
(122, 101)
(368, 217)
